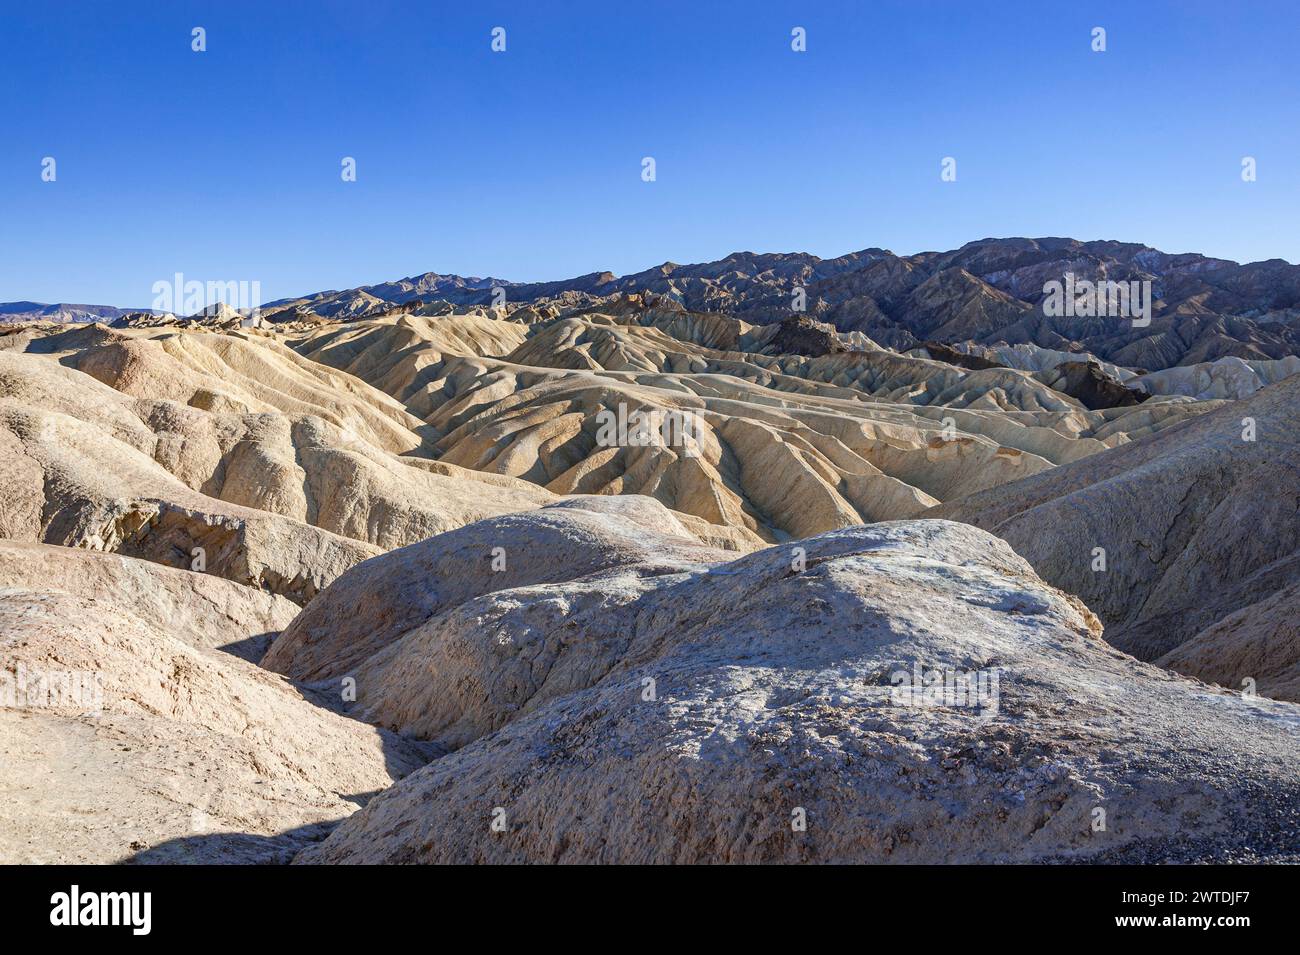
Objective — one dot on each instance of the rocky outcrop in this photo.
(380, 600)
(1171, 537)
(1093, 387)
(761, 711)
(940, 352)
(215, 613)
(800, 335)
(1225, 378)
(1034, 358)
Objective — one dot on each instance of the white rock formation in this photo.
(383, 598)
(1225, 378)
(752, 711)
(1028, 357)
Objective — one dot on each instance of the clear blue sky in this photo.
(526, 165)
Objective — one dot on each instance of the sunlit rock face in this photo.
(907, 692)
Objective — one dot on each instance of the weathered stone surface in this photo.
(693, 716)
(1225, 378)
(1254, 648)
(1196, 523)
(127, 735)
(378, 601)
(201, 609)
(1095, 389)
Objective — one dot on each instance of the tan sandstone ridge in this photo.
(689, 709)
(788, 445)
(154, 442)
(381, 433)
(1201, 533)
(185, 752)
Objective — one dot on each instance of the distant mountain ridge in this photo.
(60, 312)
(989, 291)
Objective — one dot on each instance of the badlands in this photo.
(927, 576)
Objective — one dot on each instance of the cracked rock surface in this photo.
(752, 711)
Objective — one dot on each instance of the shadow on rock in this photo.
(235, 848)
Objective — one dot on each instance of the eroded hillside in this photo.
(422, 571)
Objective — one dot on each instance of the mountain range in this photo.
(989, 292)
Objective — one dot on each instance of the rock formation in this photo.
(857, 436)
(1094, 388)
(132, 730)
(757, 711)
(1176, 541)
(1225, 378)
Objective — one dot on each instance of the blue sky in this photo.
(526, 165)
